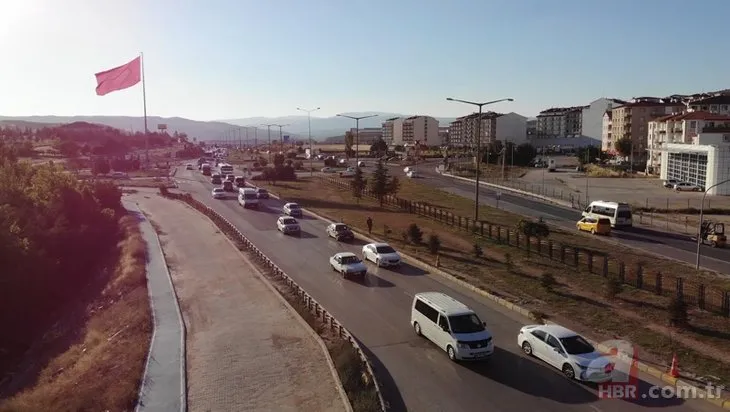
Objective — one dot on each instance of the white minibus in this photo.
(618, 213)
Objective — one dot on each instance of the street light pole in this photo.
(699, 226)
(357, 134)
(268, 128)
(478, 144)
(309, 126)
(281, 142)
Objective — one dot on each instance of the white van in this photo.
(452, 326)
(618, 213)
(248, 197)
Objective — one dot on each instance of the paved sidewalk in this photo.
(163, 384)
(246, 350)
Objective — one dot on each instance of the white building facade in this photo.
(421, 129)
(393, 131)
(511, 127)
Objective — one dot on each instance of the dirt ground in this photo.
(245, 349)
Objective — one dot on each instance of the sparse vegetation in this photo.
(613, 287)
(415, 234)
(434, 243)
(547, 281)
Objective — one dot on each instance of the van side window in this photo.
(426, 310)
(539, 334)
(443, 322)
(552, 341)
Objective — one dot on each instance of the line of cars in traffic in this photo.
(449, 324)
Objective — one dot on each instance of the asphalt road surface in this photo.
(671, 245)
(417, 376)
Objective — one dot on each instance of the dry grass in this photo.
(103, 369)
(578, 301)
(337, 148)
(147, 182)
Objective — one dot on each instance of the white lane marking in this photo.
(595, 408)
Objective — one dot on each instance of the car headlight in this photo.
(462, 345)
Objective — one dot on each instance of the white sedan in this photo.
(218, 193)
(382, 254)
(328, 170)
(566, 351)
(288, 225)
(348, 264)
(292, 209)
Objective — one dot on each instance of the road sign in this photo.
(286, 138)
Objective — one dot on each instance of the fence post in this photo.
(489, 225)
(528, 245)
(701, 296)
(621, 272)
(590, 261)
(680, 288)
(658, 283)
(481, 228)
(639, 276)
(726, 303)
(550, 249)
(517, 239)
(605, 266)
(507, 236)
(499, 234)
(576, 262)
(539, 246)
(459, 222)
(562, 253)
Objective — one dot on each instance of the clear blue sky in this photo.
(219, 59)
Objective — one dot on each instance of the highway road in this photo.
(671, 245)
(417, 376)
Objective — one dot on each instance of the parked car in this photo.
(292, 209)
(382, 254)
(347, 173)
(262, 193)
(340, 231)
(228, 186)
(348, 264)
(669, 184)
(686, 187)
(216, 179)
(566, 351)
(120, 175)
(240, 181)
(288, 225)
(412, 174)
(328, 170)
(601, 226)
(189, 166)
(452, 326)
(218, 193)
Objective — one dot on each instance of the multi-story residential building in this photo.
(692, 147)
(443, 136)
(606, 135)
(420, 129)
(567, 128)
(510, 127)
(631, 120)
(679, 129)
(714, 104)
(367, 134)
(392, 131)
(531, 126)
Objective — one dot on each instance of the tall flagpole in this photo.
(144, 105)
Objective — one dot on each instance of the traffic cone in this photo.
(674, 369)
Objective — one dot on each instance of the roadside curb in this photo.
(641, 366)
(156, 391)
(330, 363)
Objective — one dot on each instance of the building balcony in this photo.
(723, 128)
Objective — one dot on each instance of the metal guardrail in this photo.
(314, 307)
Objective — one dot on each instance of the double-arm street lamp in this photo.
(281, 142)
(699, 226)
(478, 144)
(357, 134)
(309, 125)
(268, 128)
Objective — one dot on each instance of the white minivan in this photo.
(452, 326)
(248, 197)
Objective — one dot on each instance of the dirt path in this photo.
(245, 349)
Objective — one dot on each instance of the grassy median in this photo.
(576, 299)
(96, 354)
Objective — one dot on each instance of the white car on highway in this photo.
(218, 193)
(412, 174)
(382, 254)
(328, 170)
(288, 225)
(566, 351)
(348, 264)
(292, 209)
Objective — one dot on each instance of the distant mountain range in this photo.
(296, 126)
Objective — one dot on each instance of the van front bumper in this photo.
(475, 354)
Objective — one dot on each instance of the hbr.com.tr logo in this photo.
(624, 383)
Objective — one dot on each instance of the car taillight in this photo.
(608, 368)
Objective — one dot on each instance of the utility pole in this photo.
(357, 134)
(309, 124)
(281, 142)
(268, 128)
(478, 145)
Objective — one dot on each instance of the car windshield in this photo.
(262, 191)
(289, 221)
(217, 190)
(293, 206)
(576, 345)
(626, 214)
(465, 324)
(249, 196)
(341, 228)
(348, 260)
(385, 249)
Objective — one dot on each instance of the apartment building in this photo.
(719, 104)
(367, 134)
(607, 143)
(531, 126)
(421, 129)
(692, 147)
(392, 131)
(631, 120)
(510, 127)
(443, 136)
(568, 128)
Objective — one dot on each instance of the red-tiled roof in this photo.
(707, 116)
(649, 104)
